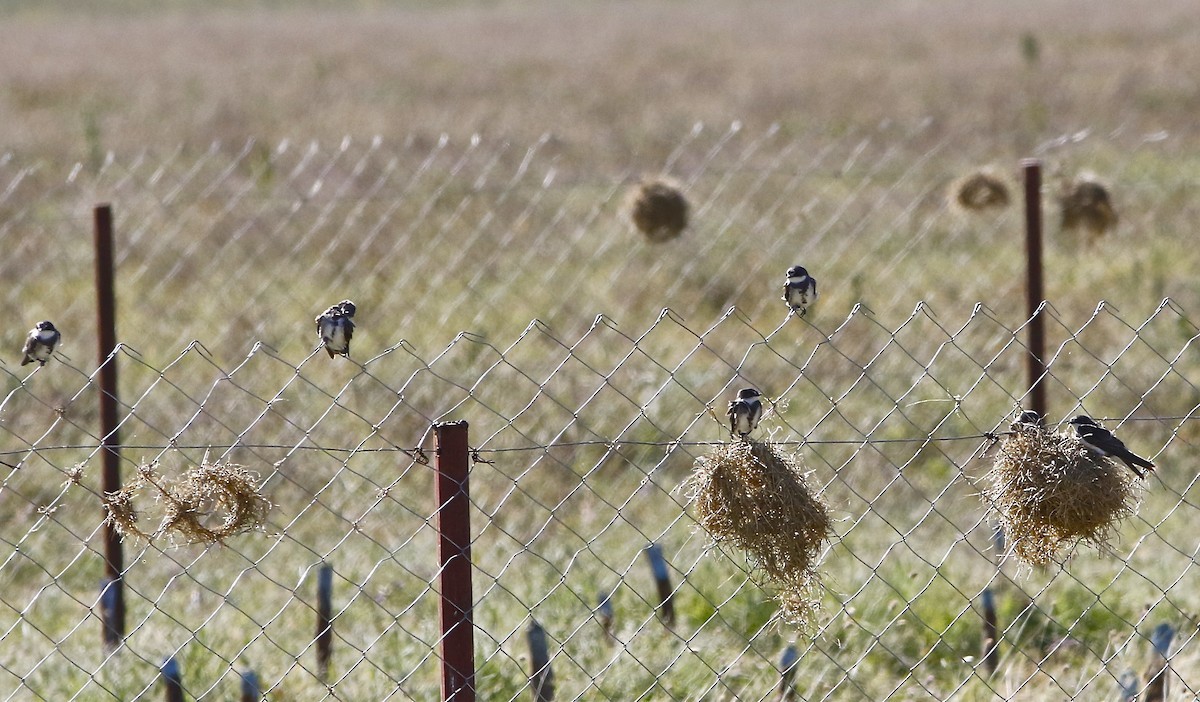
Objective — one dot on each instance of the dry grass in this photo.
(658, 208)
(1049, 492)
(979, 191)
(1085, 204)
(208, 504)
(756, 497)
(321, 73)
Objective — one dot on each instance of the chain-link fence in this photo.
(583, 429)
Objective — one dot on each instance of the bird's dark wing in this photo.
(1108, 443)
(1101, 438)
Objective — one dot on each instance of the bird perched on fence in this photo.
(335, 326)
(40, 343)
(1102, 442)
(799, 290)
(744, 412)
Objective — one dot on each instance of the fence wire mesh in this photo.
(584, 428)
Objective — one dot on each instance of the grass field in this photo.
(461, 167)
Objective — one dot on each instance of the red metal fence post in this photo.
(454, 560)
(1034, 293)
(110, 443)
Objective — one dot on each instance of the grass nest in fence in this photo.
(1049, 492)
(207, 504)
(980, 191)
(658, 209)
(756, 497)
(1085, 204)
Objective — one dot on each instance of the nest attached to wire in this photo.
(658, 208)
(980, 191)
(756, 497)
(1049, 491)
(1086, 204)
(207, 504)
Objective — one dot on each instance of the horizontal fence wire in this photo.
(894, 391)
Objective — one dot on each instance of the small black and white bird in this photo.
(1026, 421)
(335, 326)
(40, 343)
(1102, 442)
(799, 290)
(744, 412)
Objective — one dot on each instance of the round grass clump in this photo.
(1086, 205)
(207, 504)
(658, 209)
(1049, 492)
(754, 496)
(980, 191)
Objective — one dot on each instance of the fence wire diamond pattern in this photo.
(580, 446)
(583, 428)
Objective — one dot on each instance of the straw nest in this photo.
(1049, 492)
(658, 209)
(752, 495)
(1086, 205)
(979, 191)
(207, 504)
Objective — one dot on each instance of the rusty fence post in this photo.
(454, 561)
(1034, 292)
(106, 326)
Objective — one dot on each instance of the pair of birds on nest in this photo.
(1096, 438)
(745, 412)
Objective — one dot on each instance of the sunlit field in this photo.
(460, 170)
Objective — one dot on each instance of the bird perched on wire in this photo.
(799, 290)
(1102, 442)
(335, 326)
(744, 412)
(40, 343)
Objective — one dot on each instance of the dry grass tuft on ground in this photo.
(980, 191)
(1049, 491)
(207, 504)
(1086, 204)
(754, 496)
(658, 208)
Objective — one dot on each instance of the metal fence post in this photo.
(454, 561)
(990, 650)
(1034, 292)
(110, 444)
(324, 637)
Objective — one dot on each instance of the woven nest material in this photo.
(658, 209)
(1049, 492)
(754, 496)
(979, 191)
(207, 504)
(1086, 205)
